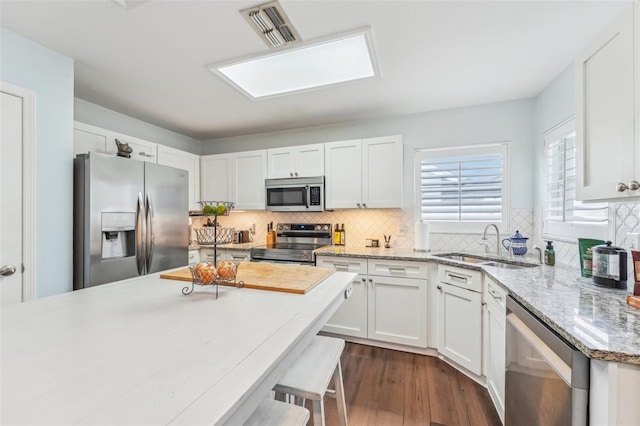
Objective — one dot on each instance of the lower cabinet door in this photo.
(398, 310)
(496, 341)
(351, 317)
(460, 326)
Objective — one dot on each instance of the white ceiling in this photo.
(150, 61)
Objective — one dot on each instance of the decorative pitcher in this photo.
(517, 243)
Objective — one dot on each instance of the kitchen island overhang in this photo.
(139, 352)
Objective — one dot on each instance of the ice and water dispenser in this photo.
(118, 235)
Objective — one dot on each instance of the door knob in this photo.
(7, 270)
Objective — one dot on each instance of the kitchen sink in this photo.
(505, 265)
(462, 257)
(484, 261)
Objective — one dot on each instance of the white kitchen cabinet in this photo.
(398, 310)
(142, 150)
(237, 177)
(607, 123)
(495, 342)
(185, 161)
(351, 317)
(239, 255)
(295, 161)
(249, 170)
(206, 254)
(364, 173)
(459, 330)
(87, 138)
(388, 304)
(215, 177)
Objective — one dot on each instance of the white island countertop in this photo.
(140, 352)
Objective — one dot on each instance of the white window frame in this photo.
(566, 230)
(456, 227)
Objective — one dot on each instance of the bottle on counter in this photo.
(337, 236)
(549, 254)
(343, 236)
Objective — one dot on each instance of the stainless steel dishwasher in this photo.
(547, 379)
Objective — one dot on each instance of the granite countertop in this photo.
(596, 320)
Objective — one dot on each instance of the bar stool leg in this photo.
(342, 406)
(318, 412)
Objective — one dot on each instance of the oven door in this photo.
(547, 380)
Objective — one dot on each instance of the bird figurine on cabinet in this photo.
(124, 150)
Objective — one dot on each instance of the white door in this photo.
(249, 172)
(215, 177)
(280, 163)
(185, 161)
(382, 172)
(351, 317)
(11, 199)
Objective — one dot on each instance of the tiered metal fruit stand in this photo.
(214, 273)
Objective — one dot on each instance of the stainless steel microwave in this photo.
(304, 194)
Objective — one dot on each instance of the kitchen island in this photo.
(140, 352)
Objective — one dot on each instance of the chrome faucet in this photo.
(484, 237)
(539, 250)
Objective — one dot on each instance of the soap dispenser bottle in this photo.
(549, 254)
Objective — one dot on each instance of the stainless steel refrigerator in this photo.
(130, 219)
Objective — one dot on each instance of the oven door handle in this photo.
(558, 365)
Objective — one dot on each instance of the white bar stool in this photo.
(276, 413)
(310, 375)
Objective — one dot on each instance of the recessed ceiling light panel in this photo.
(331, 61)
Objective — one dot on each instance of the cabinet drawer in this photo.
(347, 264)
(495, 294)
(240, 255)
(397, 268)
(460, 277)
(206, 255)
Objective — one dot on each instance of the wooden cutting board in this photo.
(297, 279)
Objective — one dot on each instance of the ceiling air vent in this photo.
(271, 24)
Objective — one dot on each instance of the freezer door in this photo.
(167, 217)
(111, 186)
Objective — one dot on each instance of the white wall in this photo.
(50, 75)
(506, 121)
(87, 112)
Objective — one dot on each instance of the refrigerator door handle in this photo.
(140, 235)
(150, 240)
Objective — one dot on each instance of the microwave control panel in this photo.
(314, 195)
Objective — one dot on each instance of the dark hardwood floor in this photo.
(386, 387)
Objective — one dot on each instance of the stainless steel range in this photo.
(295, 243)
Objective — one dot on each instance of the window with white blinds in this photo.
(462, 185)
(563, 214)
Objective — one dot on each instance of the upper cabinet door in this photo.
(343, 174)
(309, 160)
(296, 161)
(249, 172)
(280, 163)
(606, 146)
(382, 172)
(215, 178)
(185, 161)
(88, 138)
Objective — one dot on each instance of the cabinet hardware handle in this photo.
(397, 268)
(484, 303)
(341, 265)
(364, 280)
(457, 277)
(439, 287)
(370, 280)
(358, 205)
(296, 173)
(495, 296)
(144, 154)
(632, 186)
(290, 174)
(364, 205)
